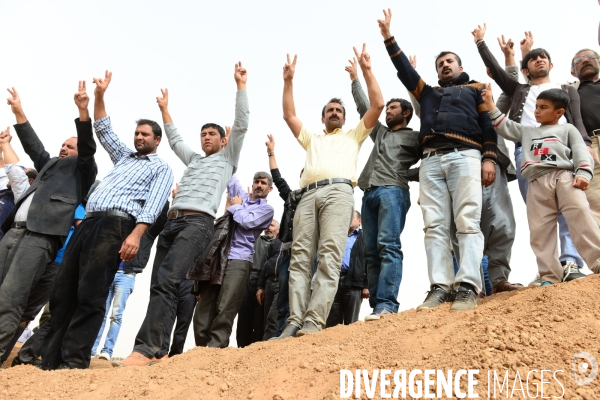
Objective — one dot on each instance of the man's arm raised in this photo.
(234, 141)
(182, 150)
(289, 109)
(375, 97)
(101, 86)
(86, 145)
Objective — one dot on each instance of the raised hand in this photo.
(507, 47)
(241, 75)
(289, 68)
(5, 136)
(227, 133)
(352, 69)
(526, 43)
(384, 24)
(163, 102)
(270, 144)
(479, 32)
(102, 84)
(364, 59)
(413, 61)
(81, 98)
(486, 95)
(14, 101)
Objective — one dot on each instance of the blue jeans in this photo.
(283, 302)
(568, 252)
(119, 291)
(383, 216)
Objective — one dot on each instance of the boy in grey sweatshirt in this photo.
(556, 184)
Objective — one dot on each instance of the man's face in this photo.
(587, 67)
(334, 116)
(272, 231)
(448, 68)
(394, 115)
(211, 141)
(68, 148)
(538, 67)
(355, 223)
(546, 113)
(144, 140)
(260, 188)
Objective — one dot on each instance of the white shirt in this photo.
(528, 118)
(19, 183)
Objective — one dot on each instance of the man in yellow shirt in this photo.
(323, 215)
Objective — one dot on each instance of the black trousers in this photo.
(186, 302)
(250, 322)
(38, 298)
(32, 348)
(346, 305)
(179, 244)
(78, 299)
(270, 306)
(24, 256)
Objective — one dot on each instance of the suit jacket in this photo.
(61, 184)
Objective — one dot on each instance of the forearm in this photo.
(406, 73)
(252, 217)
(504, 127)
(272, 161)
(20, 116)
(10, 157)
(360, 98)
(499, 75)
(139, 230)
(373, 90)
(289, 109)
(84, 114)
(99, 107)
(166, 117)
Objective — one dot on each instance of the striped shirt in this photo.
(333, 155)
(137, 185)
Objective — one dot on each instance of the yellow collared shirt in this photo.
(333, 155)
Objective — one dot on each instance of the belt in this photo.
(110, 213)
(439, 152)
(326, 182)
(183, 213)
(343, 272)
(19, 224)
(595, 132)
(518, 144)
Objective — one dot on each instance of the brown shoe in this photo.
(159, 360)
(506, 286)
(135, 359)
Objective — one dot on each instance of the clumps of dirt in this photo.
(521, 333)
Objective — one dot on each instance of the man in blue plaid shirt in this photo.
(119, 211)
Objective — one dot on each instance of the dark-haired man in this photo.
(386, 200)
(458, 145)
(585, 66)
(119, 211)
(536, 66)
(324, 213)
(191, 216)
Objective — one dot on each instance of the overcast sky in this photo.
(191, 48)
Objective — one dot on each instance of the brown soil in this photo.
(533, 329)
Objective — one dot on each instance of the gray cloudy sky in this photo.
(191, 47)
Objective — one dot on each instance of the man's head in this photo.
(262, 185)
(448, 66)
(356, 221)
(148, 135)
(31, 174)
(68, 148)
(550, 106)
(398, 113)
(333, 115)
(536, 64)
(273, 230)
(585, 66)
(213, 139)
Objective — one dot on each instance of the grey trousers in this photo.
(498, 228)
(218, 305)
(271, 293)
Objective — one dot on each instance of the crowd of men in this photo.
(73, 244)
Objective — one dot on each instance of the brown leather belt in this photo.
(183, 213)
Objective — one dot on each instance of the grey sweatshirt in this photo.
(205, 179)
(547, 148)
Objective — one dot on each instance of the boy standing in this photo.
(546, 164)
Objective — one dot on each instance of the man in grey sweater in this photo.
(191, 217)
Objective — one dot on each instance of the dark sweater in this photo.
(589, 92)
(455, 112)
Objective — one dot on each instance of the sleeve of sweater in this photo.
(582, 161)
(576, 120)
(504, 101)
(503, 79)
(489, 137)
(506, 128)
(406, 73)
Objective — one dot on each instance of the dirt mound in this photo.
(521, 332)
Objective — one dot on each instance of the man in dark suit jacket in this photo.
(41, 219)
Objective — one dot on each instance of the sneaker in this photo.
(435, 297)
(546, 283)
(536, 282)
(466, 299)
(308, 328)
(571, 272)
(378, 313)
(104, 356)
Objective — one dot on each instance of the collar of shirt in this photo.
(336, 130)
(135, 154)
(354, 233)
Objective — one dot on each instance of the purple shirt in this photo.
(252, 218)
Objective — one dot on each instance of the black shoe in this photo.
(466, 299)
(63, 365)
(571, 271)
(36, 362)
(435, 297)
(289, 331)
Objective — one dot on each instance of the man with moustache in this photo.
(219, 304)
(458, 148)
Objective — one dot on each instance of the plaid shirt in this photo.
(137, 185)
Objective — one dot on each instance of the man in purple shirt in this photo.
(218, 306)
